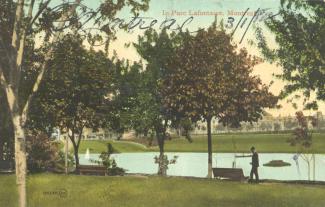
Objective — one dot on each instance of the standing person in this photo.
(255, 165)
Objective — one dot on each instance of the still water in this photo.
(195, 164)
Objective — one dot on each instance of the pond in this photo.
(195, 164)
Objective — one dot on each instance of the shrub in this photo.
(108, 162)
(42, 153)
(60, 162)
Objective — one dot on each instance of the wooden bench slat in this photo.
(92, 169)
(229, 173)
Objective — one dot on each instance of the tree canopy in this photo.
(24, 20)
(156, 48)
(299, 30)
(209, 77)
(72, 95)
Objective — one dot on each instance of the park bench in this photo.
(92, 169)
(235, 174)
(6, 166)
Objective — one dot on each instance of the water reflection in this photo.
(195, 164)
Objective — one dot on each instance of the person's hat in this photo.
(252, 148)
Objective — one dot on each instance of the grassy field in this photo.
(119, 146)
(47, 190)
(221, 143)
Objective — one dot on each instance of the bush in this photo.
(42, 153)
(163, 163)
(110, 164)
(60, 162)
(114, 170)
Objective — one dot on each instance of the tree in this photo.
(127, 81)
(72, 95)
(299, 29)
(150, 111)
(208, 77)
(186, 127)
(17, 26)
(302, 137)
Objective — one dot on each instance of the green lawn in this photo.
(48, 190)
(221, 143)
(119, 146)
(8, 193)
(243, 142)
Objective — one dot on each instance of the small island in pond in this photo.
(277, 163)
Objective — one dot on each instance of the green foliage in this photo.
(156, 49)
(126, 85)
(299, 31)
(115, 170)
(6, 130)
(60, 162)
(150, 114)
(7, 11)
(73, 93)
(108, 162)
(163, 163)
(42, 153)
(302, 136)
(208, 77)
(74, 86)
(186, 126)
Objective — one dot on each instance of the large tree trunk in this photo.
(161, 135)
(209, 148)
(76, 157)
(160, 140)
(161, 167)
(76, 154)
(20, 159)
(76, 144)
(19, 138)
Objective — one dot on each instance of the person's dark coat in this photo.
(255, 162)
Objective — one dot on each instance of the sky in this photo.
(203, 12)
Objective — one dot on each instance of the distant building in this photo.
(267, 123)
(88, 134)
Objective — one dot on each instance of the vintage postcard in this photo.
(167, 103)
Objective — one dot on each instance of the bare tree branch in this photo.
(39, 12)
(17, 24)
(20, 52)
